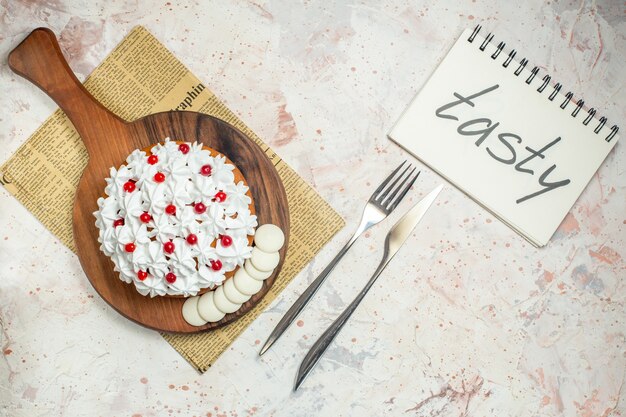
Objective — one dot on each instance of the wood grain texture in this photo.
(109, 140)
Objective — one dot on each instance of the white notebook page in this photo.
(512, 149)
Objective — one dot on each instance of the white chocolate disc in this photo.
(233, 294)
(264, 261)
(190, 312)
(222, 303)
(245, 284)
(255, 273)
(207, 308)
(269, 238)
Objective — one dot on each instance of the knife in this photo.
(395, 239)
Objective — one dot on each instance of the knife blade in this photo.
(394, 240)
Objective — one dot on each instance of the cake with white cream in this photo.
(177, 220)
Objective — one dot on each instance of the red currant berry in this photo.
(168, 247)
(129, 247)
(183, 148)
(206, 170)
(170, 209)
(153, 159)
(129, 186)
(170, 277)
(192, 239)
(145, 217)
(216, 265)
(118, 222)
(220, 196)
(159, 177)
(142, 275)
(199, 208)
(226, 241)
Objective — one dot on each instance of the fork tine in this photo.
(389, 198)
(384, 183)
(381, 197)
(406, 189)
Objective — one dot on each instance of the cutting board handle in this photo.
(39, 59)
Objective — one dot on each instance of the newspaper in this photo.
(141, 77)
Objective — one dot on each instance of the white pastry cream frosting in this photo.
(174, 221)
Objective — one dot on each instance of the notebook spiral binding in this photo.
(544, 84)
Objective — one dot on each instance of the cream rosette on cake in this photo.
(174, 221)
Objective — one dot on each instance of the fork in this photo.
(382, 202)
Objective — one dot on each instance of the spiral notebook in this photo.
(506, 135)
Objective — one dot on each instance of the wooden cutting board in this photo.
(109, 140)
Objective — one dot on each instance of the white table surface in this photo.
(467, 320)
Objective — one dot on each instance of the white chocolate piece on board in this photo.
(255, 273)
(246, 284)
(222, 303)
(269, 238)
(207, 309)
(264, 261)
(233, 294)
(190, 312)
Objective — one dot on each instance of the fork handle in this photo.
(305, 297)
(320, 346)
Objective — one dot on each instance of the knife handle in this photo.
(320, 346)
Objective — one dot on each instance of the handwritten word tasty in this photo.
(508, 153)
